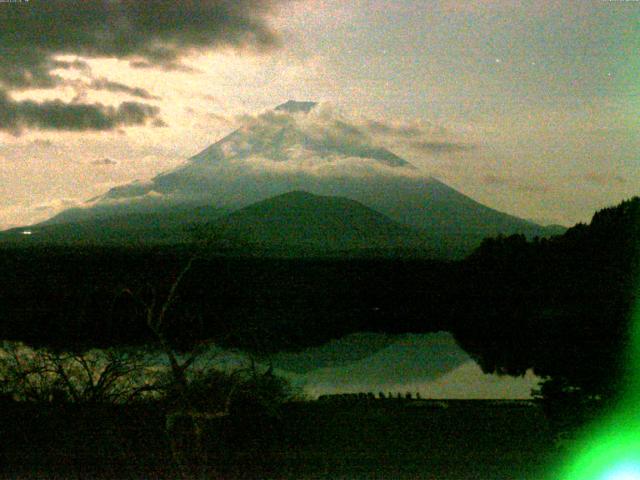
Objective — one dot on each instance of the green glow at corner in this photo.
(624, 471)
(611, 450)
(609, 455)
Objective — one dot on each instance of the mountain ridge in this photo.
(297, 147)
(299, 218)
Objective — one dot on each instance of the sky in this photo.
(542, 95)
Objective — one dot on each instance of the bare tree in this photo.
(189, 416)
(90, 377)
(186, 421)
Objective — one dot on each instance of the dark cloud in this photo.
(418, 138)
(174, 66)
(406, 131)
(511, 182)
(81, 87)
(76, 64)
(41, 208)
(603, 180)
(441, 147)
(491, 179)
(140, 64)
(108, 85)
(57, 115)
(149, 33)
(619, 179)
(158, 122)
(104, 162)
(134, 113)
(157, 32)
(58, 204)
(349, 131)
(344, 139)
(219, 118)
(42, 143)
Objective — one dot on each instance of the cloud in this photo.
(111, 198)
(602, 180)
(497, 180)
(158, 122)
(57, 115)
(382, 128)
(42, 143)
(327, 135)
(173, 66)
(300, 163)
(76, 64)
(441, 147)
(81, 87)
(418, 138)
(24, 214)
(108, 85)
(321, 131)
(12, 216)
(56, 205)
(104, 162)
(153, 33)
(158, 32)
(492, 179)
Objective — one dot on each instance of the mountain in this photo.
(169, 226)
(316, 223)
(299, 147)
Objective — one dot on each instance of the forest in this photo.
(561, 306)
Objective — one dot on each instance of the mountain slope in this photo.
(325, 223)
(297, 147)
(171, 225)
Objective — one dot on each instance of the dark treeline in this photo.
(561, 306)
(84, 296)
(558, 305)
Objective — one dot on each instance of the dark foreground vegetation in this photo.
(560, 306)
(75, 416)
(58, 296)
(383, 439)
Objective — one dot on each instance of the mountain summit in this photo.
(303, 220)
(282, 151)
(268, 155)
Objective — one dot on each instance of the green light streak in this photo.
(611, 449)
(625, 471)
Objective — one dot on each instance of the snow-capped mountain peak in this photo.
(294, 148)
